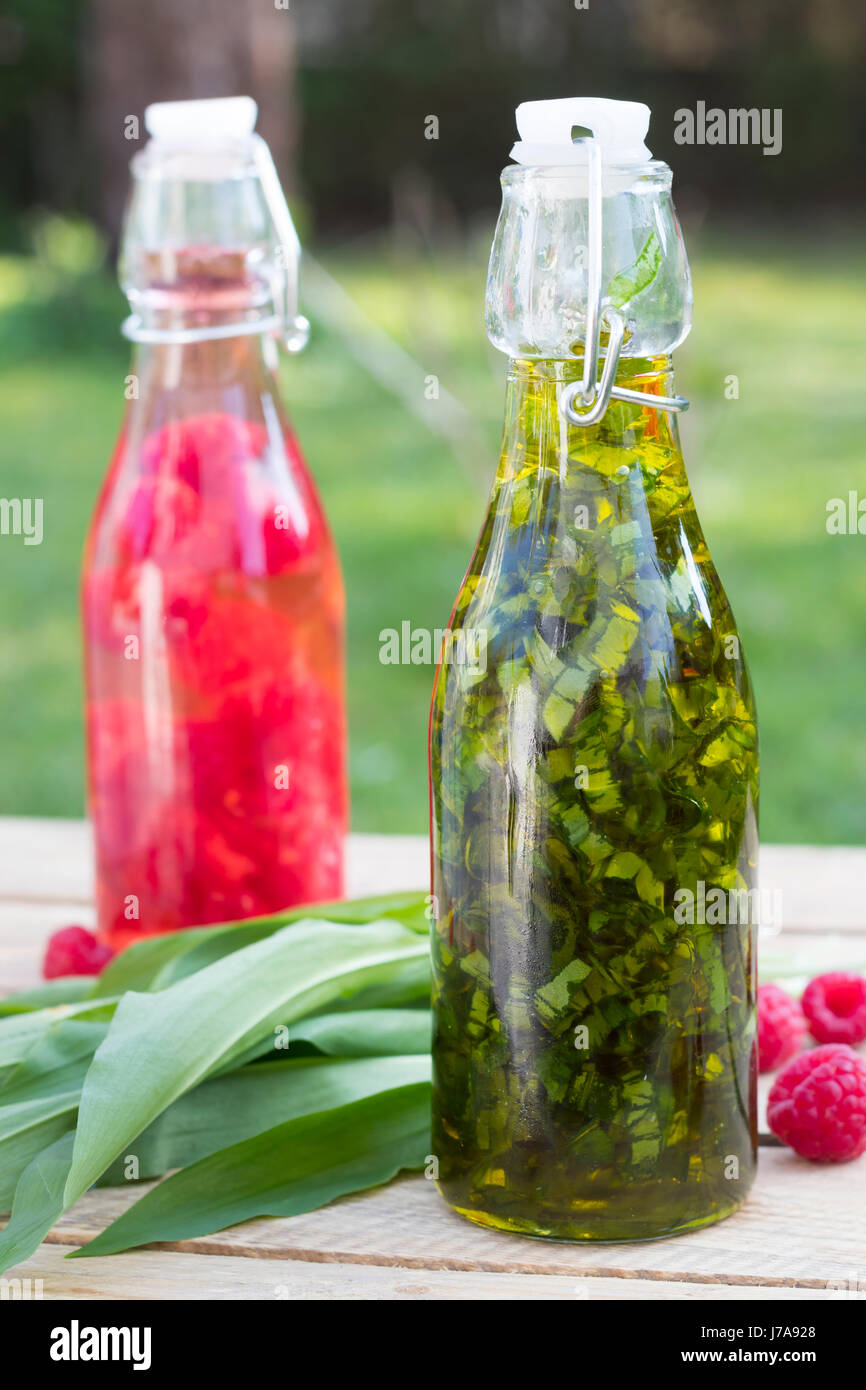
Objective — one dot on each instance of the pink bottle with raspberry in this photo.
(213, 601)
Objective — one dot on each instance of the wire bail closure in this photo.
(585, 402)
(295, 328)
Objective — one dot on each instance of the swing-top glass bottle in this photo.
(594, 779)
(212, 596)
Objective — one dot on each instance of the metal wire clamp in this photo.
(593, 393)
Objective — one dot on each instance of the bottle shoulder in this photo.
(587, 578)
(209, 489)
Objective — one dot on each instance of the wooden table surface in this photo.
(801, 1234)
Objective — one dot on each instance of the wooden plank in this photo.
(166, 1276)
(373, 1245)
(802, 1226)
(24, 931)
(53, 858)
(44, 860)
(387, 864)
(822, 886)
(49, 861)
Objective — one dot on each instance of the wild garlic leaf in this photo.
(160, 1045)
(625, 286)
(244, 1103)
(158, 961)
(293, 1168)
(69, 989)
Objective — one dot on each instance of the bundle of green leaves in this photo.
(268, 1066)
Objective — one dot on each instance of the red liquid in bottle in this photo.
(213, 612)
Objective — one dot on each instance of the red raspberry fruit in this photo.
(74, 951)
(835, 1006)
(818, 1104)
(781, 1027)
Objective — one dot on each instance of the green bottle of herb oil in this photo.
(593, 746)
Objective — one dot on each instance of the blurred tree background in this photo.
(358, 76)
(399, 228)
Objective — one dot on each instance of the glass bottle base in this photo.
(590, 1223)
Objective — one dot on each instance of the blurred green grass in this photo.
(406, 507)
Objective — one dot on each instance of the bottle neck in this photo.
(537, 434)
(229, 382)
(551, 224)
(198, 312)
(210, 364)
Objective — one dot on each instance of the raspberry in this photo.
(202, 449)
(835, 1006)
(158, 516)
(781, 1027)
(818, 1104)
(74, 951)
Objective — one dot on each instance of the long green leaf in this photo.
(69, 989)
(40, 1097)
(44, 1090)
(380, 1032)
(21, 1032)
(158, 961)
(58, 1060)
(292, 1168)
(160, 1045)
(366, 1032)
(38, 1201)
(18, 1034)
(244, 1103)
(28, 1129)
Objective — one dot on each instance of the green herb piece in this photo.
(552, 1000)
(625, 286)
